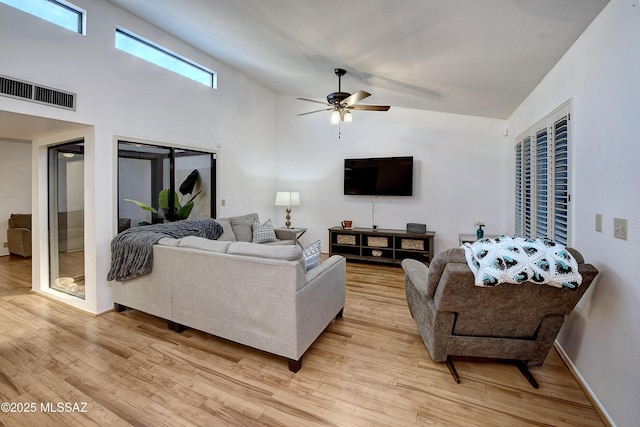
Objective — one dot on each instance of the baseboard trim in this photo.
(602, 413)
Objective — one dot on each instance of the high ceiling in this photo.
(476, 57)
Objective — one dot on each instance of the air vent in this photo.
(34, 92)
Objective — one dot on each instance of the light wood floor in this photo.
(369, 368)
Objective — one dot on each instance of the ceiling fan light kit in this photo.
(339, 103)
(335, 117)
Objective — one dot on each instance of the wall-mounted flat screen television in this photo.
(381, 176)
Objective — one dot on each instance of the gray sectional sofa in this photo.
(253, 294)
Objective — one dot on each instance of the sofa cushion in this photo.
(169, 241)
(243, 226)
(280, 243)
(227, 231)
(201, 243)
(288, 252)
(312, 255)
(263, 233)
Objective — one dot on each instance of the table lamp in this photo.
(288, 199)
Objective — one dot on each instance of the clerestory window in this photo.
(58, 12)
(156, 54)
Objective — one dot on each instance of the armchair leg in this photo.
(524, 370)
(520, 364)
(452, 369)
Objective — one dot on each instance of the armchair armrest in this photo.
(19, 241)
(416, 272)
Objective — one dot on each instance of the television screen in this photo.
(382, 176)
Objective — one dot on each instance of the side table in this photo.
(299, 231)
(472, 238)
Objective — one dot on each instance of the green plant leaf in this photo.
(143, 206)
(163, 199)
(185, 211)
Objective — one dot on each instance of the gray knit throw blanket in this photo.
(132, 250)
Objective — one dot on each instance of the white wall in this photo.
(601, 73)
(121, 96)
(15, 183)
(459, 170)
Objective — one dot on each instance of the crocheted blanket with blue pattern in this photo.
(517, 259)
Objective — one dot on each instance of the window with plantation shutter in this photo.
(561, 180)
(542, 178)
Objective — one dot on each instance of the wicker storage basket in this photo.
(378, 242)
(412, 244)
(346, 239)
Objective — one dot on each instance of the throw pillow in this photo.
(312, 255)
(227, 231)
(264, 233)
(241, 226)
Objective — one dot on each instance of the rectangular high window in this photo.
(58, 12)
(542, 178)
(156, 54)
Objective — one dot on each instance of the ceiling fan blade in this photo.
(370, 107)
(312, 100)
(316, 111)
(355, 98)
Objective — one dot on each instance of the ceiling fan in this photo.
(339, 103)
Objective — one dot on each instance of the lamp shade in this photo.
(287, 198)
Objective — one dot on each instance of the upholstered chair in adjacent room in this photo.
(19, 234)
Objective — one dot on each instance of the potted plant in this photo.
(180, 212)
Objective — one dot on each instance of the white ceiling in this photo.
(476, 57)
(17, 127)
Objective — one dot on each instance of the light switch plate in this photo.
(599, 222)
(620, 228)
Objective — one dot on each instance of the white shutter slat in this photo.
(561, 180)
(541, 194)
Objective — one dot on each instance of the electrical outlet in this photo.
(222, 202)
(599, 222)
(620, 228)
(5, 245)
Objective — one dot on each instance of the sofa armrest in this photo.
(332, 262)
(320, 301)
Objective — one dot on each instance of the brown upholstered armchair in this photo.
(19, 234)
(518, 323)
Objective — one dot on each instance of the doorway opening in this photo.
(66, 218)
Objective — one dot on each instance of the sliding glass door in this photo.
(66, 218)
(161, 184)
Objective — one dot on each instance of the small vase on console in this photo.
(480, 231)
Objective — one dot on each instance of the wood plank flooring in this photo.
(369, 368)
